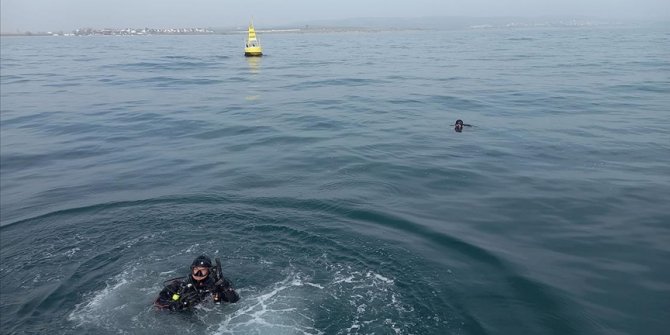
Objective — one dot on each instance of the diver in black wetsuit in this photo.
(204, 281)
(458, 127)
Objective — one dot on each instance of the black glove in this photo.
(225, 284)
(189, 298)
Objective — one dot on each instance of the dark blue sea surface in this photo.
(328, 178)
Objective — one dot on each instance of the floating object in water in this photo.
(253, 44)
(458, 126)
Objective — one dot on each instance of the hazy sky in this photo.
(66, 15)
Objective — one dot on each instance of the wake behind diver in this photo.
(204, 282)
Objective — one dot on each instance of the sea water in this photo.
(328, 179)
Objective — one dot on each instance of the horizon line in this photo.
(340, 23)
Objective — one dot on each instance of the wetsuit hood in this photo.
(202, 261)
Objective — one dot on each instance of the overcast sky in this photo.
(66, 15)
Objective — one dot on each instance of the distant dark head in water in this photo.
(458, 127)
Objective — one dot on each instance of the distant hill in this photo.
(437, 23)
(449, 23)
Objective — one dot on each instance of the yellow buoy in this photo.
(253, 45)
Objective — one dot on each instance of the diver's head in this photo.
(200, 268)
(459, 125)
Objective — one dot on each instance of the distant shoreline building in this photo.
(118, 32)
(142, 31)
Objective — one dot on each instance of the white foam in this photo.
(191, 248)
(71, 252)
(315, 285)
(367, 302)
(384, 279)
(124, 298)
(280, 310)
(90, 311)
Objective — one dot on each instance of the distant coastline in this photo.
(190, 31)
(357, 24)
